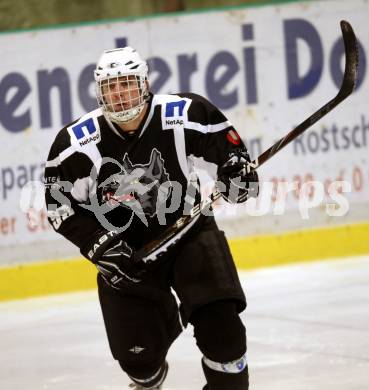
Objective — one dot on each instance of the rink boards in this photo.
(50, 277)
(229, 60)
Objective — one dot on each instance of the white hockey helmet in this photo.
(121, 66)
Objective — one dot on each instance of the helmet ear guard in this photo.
(122, 66)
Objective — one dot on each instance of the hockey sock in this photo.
(218, 380)
(155, 380)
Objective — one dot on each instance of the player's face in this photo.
(121, 93)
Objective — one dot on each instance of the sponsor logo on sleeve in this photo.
(174, 113)
(85, 132)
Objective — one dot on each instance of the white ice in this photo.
(307, 325)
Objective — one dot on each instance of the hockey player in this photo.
(118, 177)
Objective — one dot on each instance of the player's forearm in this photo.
(77, 228)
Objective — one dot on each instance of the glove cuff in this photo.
(95, 248)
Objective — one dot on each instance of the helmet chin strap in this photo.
(126, 117)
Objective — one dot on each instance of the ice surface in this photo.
(307, 325)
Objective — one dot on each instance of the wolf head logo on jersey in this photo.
(140, 187)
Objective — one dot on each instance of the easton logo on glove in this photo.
(100, 241)
(116, 261)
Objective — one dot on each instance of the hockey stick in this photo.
(347, 87)
(154, 249)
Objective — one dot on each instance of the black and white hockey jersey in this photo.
(97, 177)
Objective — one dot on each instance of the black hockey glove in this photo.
(115, 260)
(239, 181)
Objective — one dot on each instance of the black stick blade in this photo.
(352, 59)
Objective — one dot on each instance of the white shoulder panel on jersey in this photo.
(85, 135)
(83, 132)
(174, 116)
(174, 113)
(174, 110)
(86, 130)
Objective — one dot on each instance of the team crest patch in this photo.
(139, 187)
(233, 137)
